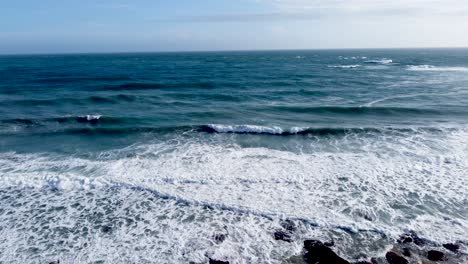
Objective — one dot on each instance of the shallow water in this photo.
(151, 157)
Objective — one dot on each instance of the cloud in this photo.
(307, 10)
(390, 7)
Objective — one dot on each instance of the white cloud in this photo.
(369, 6)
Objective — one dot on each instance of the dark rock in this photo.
(289, 225)
(284, 236)
(317, 252)
(405, 239)
(406, 252)
(106, 229)
(452, 247)
(411, 237)
(219, 238)
(362, 262)
(394, 258)
(436, 255)
(213, 261)
(329, 243)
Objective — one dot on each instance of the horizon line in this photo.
(220, 50)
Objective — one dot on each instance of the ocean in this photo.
(186, 157)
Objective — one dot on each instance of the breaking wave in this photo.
(436, 68)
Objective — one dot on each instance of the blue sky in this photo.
(57, 26)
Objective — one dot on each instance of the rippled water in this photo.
(154, 157)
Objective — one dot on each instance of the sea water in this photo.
(153, 157)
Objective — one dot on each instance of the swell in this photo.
(277, 131)
(74, 79)
(158, 85)
(114, 99)
(91, 119)
(357, 110)
(126, 129)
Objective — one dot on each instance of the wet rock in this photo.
(284, 236)
(411, 237)
(329, 243)
(289, 225)
(219, 238)
(362, 262)
(213, 261)
(405, 239)
(106, 229)
(394, 258)
(406, 252)
(436, 255)
(317, 252)
(452, 247)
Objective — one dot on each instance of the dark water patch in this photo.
(90, 119)
(92, 100)
(157, 85)
(101, 131)
(78, 79)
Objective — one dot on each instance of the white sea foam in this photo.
(344, 66)
(434, 68)
(412, 181)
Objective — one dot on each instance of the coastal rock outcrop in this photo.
(318, 252)
(452, 247)
(282, 235)
(436, 255)
(394, 258)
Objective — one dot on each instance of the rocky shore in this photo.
(407, 249)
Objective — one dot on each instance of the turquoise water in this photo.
(133, 157)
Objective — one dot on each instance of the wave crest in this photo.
(381, 61)
(345, 66)
(435, 68)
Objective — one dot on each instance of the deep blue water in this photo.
(270, 134)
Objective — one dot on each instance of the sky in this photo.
(58, 26)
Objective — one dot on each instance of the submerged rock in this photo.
(219, 238)
(406, 252)
(284, 236)
(452, 247)
(436, 255)
(394, 258)
(317, 252)
(213, 261)
(289, 225)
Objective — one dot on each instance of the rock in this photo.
(289, 225)
(213, 261)
(405, 239)
(411, 237)
(452, 247)
(436, 255)
(362, 262)
(284, 236)
(106, 229)
(219, 238)
(329, 243)
(406, 252)
(317, 252)
(394, 258)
